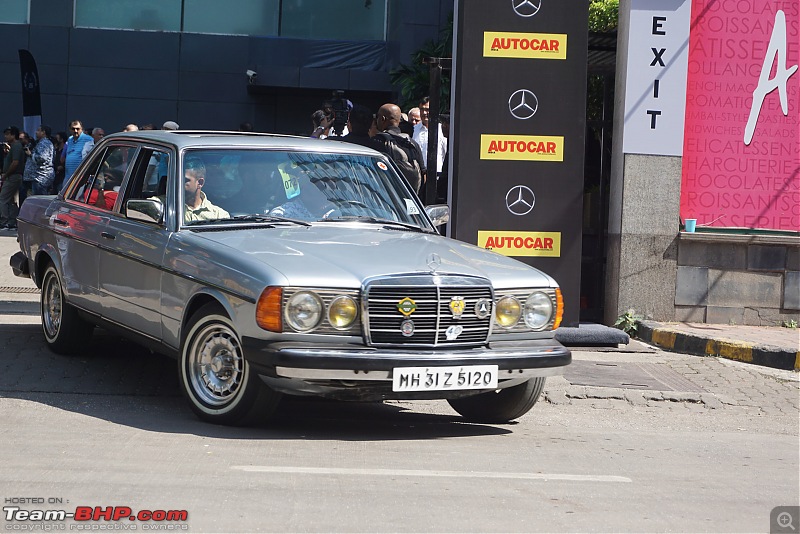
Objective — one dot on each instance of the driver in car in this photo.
(198, 207)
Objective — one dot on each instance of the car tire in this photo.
(65, 332)
(214, 375)
(500, 406)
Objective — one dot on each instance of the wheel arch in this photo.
(44, 257)
(199, 300)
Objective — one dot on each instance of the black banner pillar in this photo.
(31, 99)
(518, 124)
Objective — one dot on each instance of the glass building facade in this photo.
(208, 64)
(305, 19)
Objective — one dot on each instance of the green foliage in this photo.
(791, 323)
(414, 79)
(603, 15)
(628, 322)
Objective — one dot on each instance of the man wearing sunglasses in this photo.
(74, 149)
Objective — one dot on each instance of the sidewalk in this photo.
(770, 346)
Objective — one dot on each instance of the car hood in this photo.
(344, 255)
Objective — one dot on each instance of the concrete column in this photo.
(643, 216)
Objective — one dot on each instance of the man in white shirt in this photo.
(97, 135)
(421, 136)
(413, 116)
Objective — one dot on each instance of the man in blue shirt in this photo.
(74, 148)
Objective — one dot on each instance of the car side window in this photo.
(84, 183)
(100, 184)
(149, 177)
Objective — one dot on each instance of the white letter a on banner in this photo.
(776, 49)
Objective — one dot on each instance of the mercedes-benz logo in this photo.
(526, 8)
(520, 200)
(434, 261)
(523, 104)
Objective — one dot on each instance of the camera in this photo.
(341, 111)
(251, 75)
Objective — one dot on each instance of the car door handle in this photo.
(107, 235)
(60, 222)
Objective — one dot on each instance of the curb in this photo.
(764, 355)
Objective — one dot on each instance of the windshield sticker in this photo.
(382, 166)
(411, 207)
(291, 186)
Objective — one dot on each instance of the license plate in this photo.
(444, 378)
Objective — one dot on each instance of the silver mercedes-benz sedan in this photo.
(271, 265)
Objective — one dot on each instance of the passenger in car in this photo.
(261, 188)
(311, 205)
(197, 206)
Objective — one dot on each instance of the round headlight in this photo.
(507, 312)
(538, 310)
(303, 311)
(342, 312)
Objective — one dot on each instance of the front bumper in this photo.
(514, 359)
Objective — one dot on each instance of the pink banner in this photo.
(741, 149)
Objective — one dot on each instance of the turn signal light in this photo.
(559, 308)
(268, 309)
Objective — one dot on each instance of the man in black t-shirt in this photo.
(399, 146)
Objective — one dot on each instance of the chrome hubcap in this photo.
(215, 364)
(51, 306)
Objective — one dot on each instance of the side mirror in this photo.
(145, 210)
(439, 214)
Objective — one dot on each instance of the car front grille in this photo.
(432, 319)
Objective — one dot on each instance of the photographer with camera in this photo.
(338, 109)
(322, 124)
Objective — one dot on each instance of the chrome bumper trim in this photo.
(342, 374)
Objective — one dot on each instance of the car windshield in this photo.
(236, 186)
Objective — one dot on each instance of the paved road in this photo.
(682, 443)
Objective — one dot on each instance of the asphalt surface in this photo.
(628, 440)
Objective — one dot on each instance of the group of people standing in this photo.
(40, 166)
(401, 136)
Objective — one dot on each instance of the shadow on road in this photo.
(120, 382)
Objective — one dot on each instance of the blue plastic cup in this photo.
(691, 224)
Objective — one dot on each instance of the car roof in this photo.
(222, 139)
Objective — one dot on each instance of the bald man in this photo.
(395, 143)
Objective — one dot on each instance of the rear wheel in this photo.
(214, 375)
(500, 406)
(64, 330)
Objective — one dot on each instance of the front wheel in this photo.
(500, 406)
(216, 378)
(64, 330)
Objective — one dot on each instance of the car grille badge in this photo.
(457, 306)
(406, 306)
(483, 308)
(453, 331)
(407, 328)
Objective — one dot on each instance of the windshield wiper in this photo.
(378, 220)
(255, 217)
